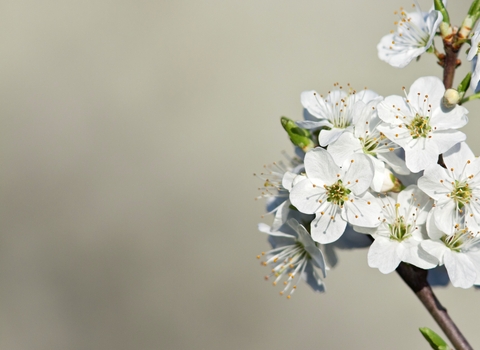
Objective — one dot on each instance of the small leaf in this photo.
(463, 86)
(435, 341)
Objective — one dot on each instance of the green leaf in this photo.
(299, 137)
(464, 84)
(435, 341)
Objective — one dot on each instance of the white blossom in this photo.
(400, 232)
(459, 252)
(335, 195)
(473, 56)
(420, 124)
(338, 111)
(414, 36)
(277, 182)
(456, 189)
(293, 255)
(367, 139)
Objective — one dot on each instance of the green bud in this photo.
(445, 28)
(467, 26)
(435, 341)
(299, 137)
(439, 6)
(469, 22)
(474, 10)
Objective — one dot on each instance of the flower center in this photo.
(369, 145)
(456, 241)
(337, 193)
(419, 127)
(399, 230)
(461, 193)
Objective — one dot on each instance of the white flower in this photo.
(420, 124)
(294, 254)
(277, 182)
(335, 195)
(338, 111)
(473, 56)
(456, 189)
(459, 252)
(367, 139)
(400, 232)
(414, 35)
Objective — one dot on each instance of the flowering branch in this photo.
(416, 279)
(390, 173)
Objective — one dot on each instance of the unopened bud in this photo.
(391, 183)
(300, 137)
(451, 98)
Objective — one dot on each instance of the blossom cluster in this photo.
(372, 173)
(390, 173)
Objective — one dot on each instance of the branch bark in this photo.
(416, 279)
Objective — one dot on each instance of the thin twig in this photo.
(416, 279)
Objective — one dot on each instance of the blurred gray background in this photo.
(129, 134)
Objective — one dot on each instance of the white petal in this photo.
(309, 245)
(313, 124)
(430, 182)
(363, 212)
(359, 174)
(457, 156)
(412, 255)
(328, 136)
(345, 146)
(433, 231)
(383, 255)
(475, 259)
(398, 164)
(449, 119)
(379, 175)
(281, 215)
(435, 248)
(314, 104)
(431, 86)
(460, 269)
(320, 167)
(388, 109)
(327, 230)
(446, 139)
(446, 217)
(421, 155)
(287, 180)
(305, 197)
(312, 278)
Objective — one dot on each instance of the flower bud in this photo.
(451, 98)
(391, 183)
(299, 137)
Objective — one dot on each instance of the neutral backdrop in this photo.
(129, 134)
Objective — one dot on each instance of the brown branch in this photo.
(450, 63)
(416, 279)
